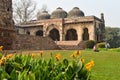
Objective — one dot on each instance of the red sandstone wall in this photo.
(27, 42)
(7, 38)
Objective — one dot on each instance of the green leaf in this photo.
(1, 55)
(65, 62)
(32, 76)
(22, 75)
(13, 75)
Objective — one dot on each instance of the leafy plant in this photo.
(29, 67)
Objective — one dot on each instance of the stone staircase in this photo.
(71, 45)
(28, 42)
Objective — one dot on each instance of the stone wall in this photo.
(28, 42)
(7, 38)
(7, 29)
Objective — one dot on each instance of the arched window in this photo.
(39, 33)
(85, 34)
(71, 35)
(54, 34)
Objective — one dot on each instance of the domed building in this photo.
(66, 29)
(75, 12)
(44, 15)
(59, 13)
(58, 30)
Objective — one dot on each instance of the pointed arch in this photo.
(54, 34)
(99, 37)
(51, 27)
(71, 35)
(28, 32)
(85, 34)
(39, 33)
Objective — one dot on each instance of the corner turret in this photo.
(102, 17)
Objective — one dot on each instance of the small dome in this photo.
(59, 13)
(75, 12)
(43, 15)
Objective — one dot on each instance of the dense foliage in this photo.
(113, 36)
(35, 67)
(101, 45)
(89, 44)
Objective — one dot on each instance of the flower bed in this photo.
(30, 67)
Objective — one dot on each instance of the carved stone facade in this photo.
(63, 26)
(7, 29)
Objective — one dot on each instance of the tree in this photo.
(23, 10)
(113, 36)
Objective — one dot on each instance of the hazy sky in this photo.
(110, 8)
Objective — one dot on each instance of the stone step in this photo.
(78, 46)
(34, 43)
(67, 43)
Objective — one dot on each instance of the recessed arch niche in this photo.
(28, 32)
(39, 33)
(71, 35)
(85, 34)
(54, 34)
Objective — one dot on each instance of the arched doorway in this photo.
(54, 34)
(85, 34)
(28, 33)
(71, 35)
(39, 33)
(99, 37)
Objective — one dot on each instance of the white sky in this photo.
(110, 8)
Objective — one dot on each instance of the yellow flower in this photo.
(92, 63)
(58, 56)
(1, 48)
(33, 55)
(9, 56)
(89, 65)
(73, 55)
(82, 60)
(41, 53)
(78, 53)
(3, 58)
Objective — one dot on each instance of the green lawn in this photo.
(107, 62)
(107, 65)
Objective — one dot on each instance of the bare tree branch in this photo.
(23, 11)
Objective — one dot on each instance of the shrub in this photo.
(101, 45)
(89, 44)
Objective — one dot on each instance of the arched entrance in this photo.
(39, 33)
(54, 34)
(99, 37)
(28, 33)
(71, 35)
(85, 34)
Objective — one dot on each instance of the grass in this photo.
(107, 62)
